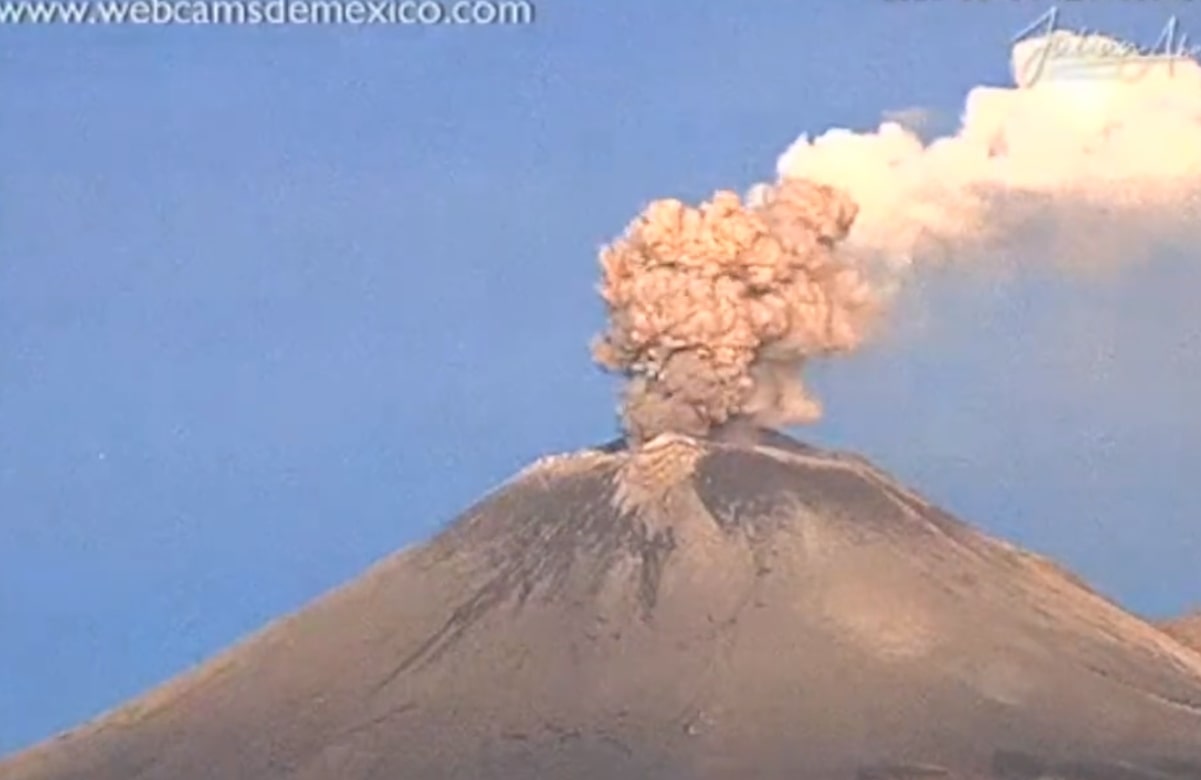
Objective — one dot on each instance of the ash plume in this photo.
(715, 310)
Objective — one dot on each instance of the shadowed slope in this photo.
(686, 610)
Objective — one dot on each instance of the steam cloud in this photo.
(714, 310)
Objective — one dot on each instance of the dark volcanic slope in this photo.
(686, 611)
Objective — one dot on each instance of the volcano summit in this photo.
(692, 608)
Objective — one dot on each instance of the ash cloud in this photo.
(715, 310)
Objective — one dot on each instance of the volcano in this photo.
(687, 609)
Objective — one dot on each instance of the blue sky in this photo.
(275, 302)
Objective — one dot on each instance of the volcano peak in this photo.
(688, 608)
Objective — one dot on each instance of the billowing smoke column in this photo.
(713, 311)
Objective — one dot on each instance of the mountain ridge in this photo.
(1186, 629)
(690, 608)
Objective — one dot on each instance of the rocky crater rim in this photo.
(618, 453)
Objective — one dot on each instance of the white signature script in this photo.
(1083, 53)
